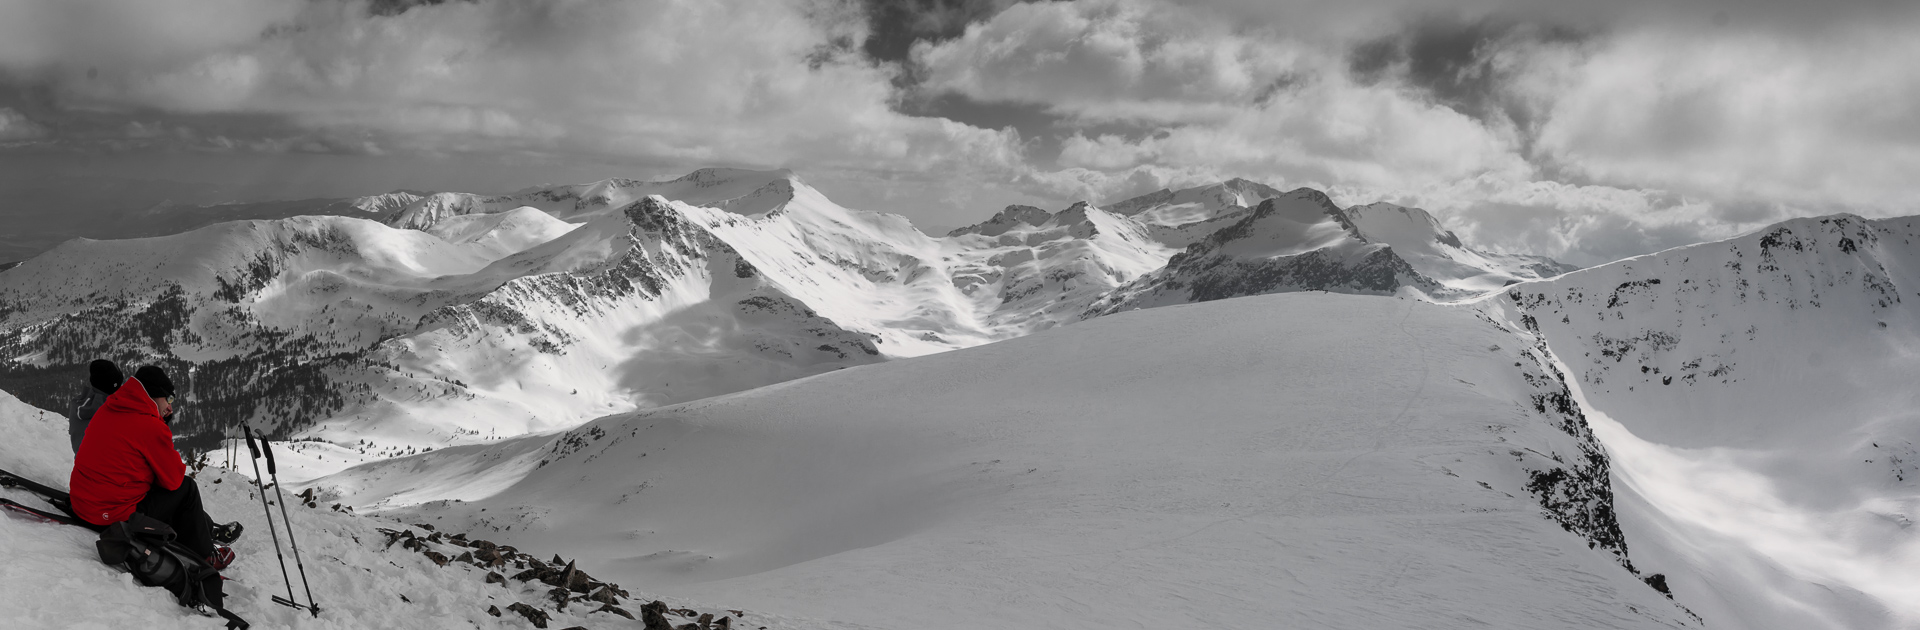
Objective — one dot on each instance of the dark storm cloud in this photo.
(896, 24)
(396, 7)
(1454, 61)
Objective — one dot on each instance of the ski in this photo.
(14, 508)
(11, 480)
(58, 498)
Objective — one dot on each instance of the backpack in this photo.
(146, 548)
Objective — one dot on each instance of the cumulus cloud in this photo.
(1230, 101)
(1827, 119)
(698, 81)
(1587, 132)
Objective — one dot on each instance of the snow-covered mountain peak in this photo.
(386, 205)
(1300, 220)
(1012, 217)
(423, 213)
(503, 233)
(1400, 225)
(1171, 208)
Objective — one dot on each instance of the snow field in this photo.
(1297, 460)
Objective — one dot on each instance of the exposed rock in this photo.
(654, 615)
(535, 616)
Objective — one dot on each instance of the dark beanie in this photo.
(104, 375)
(155, 380)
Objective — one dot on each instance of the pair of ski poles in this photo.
(257, 480)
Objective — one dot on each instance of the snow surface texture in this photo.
(53, 578)
(1758, 395)
(465, 319)
(1300, 460)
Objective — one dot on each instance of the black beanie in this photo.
(155, 380)
(104, 375)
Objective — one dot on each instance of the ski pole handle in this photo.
(269, 450)
(255, 450)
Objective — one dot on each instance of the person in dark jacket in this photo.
(127, 464)
(102, 378)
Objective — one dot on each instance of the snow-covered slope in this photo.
(361, 576)
(1299, 460)
(1759, 396)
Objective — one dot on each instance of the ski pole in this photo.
(261, 483)
(311, 607)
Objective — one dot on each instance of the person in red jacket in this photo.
(127, 464)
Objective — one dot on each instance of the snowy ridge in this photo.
(751, 192)
(1757, 395)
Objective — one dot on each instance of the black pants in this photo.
(182, 510)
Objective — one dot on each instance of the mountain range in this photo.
(459, 318)
(1223, 406)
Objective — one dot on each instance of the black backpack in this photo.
(146, 548)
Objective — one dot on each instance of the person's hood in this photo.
(131, 398)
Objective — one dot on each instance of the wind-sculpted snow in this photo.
(1757, 395)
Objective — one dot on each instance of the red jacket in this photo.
(127, 449)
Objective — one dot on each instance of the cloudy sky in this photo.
(1582, 130)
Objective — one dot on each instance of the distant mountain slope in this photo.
(1278, 461)
(1758, 395)
(32, 228)
(1300, 241)
(1029, 269)
(1437, 253)
(741, 191)
(386, 341)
